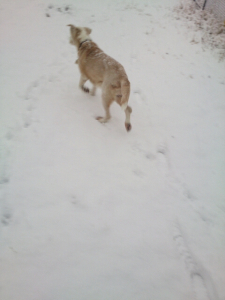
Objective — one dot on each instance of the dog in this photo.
(102, 71)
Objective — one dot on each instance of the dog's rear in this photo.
(103, 71)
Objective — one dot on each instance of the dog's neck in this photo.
(81, 43)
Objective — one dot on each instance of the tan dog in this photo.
(103, 71)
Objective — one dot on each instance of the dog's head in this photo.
(78, 35)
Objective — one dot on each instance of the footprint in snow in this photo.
(162, 157)
(6, 217)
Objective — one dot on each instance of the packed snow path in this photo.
(89, 211)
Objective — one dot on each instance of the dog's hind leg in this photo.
(83, 79)
(128, 111)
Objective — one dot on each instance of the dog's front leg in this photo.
(106, 104)
(81, 84)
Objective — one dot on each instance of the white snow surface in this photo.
(89, 211)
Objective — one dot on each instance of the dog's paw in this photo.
(128, 126)
(101, 119)
(85, 89)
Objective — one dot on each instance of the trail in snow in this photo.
(203, 286)
(202, 283)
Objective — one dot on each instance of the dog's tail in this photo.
(125, 89)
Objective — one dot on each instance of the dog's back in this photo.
(97, 65)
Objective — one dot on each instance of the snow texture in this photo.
(209, 29)
(87, 210)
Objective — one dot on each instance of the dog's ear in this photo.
(88, 30)
(72, 28)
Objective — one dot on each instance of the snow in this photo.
(89, 211)
(209, 29)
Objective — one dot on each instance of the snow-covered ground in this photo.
(89, 211)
